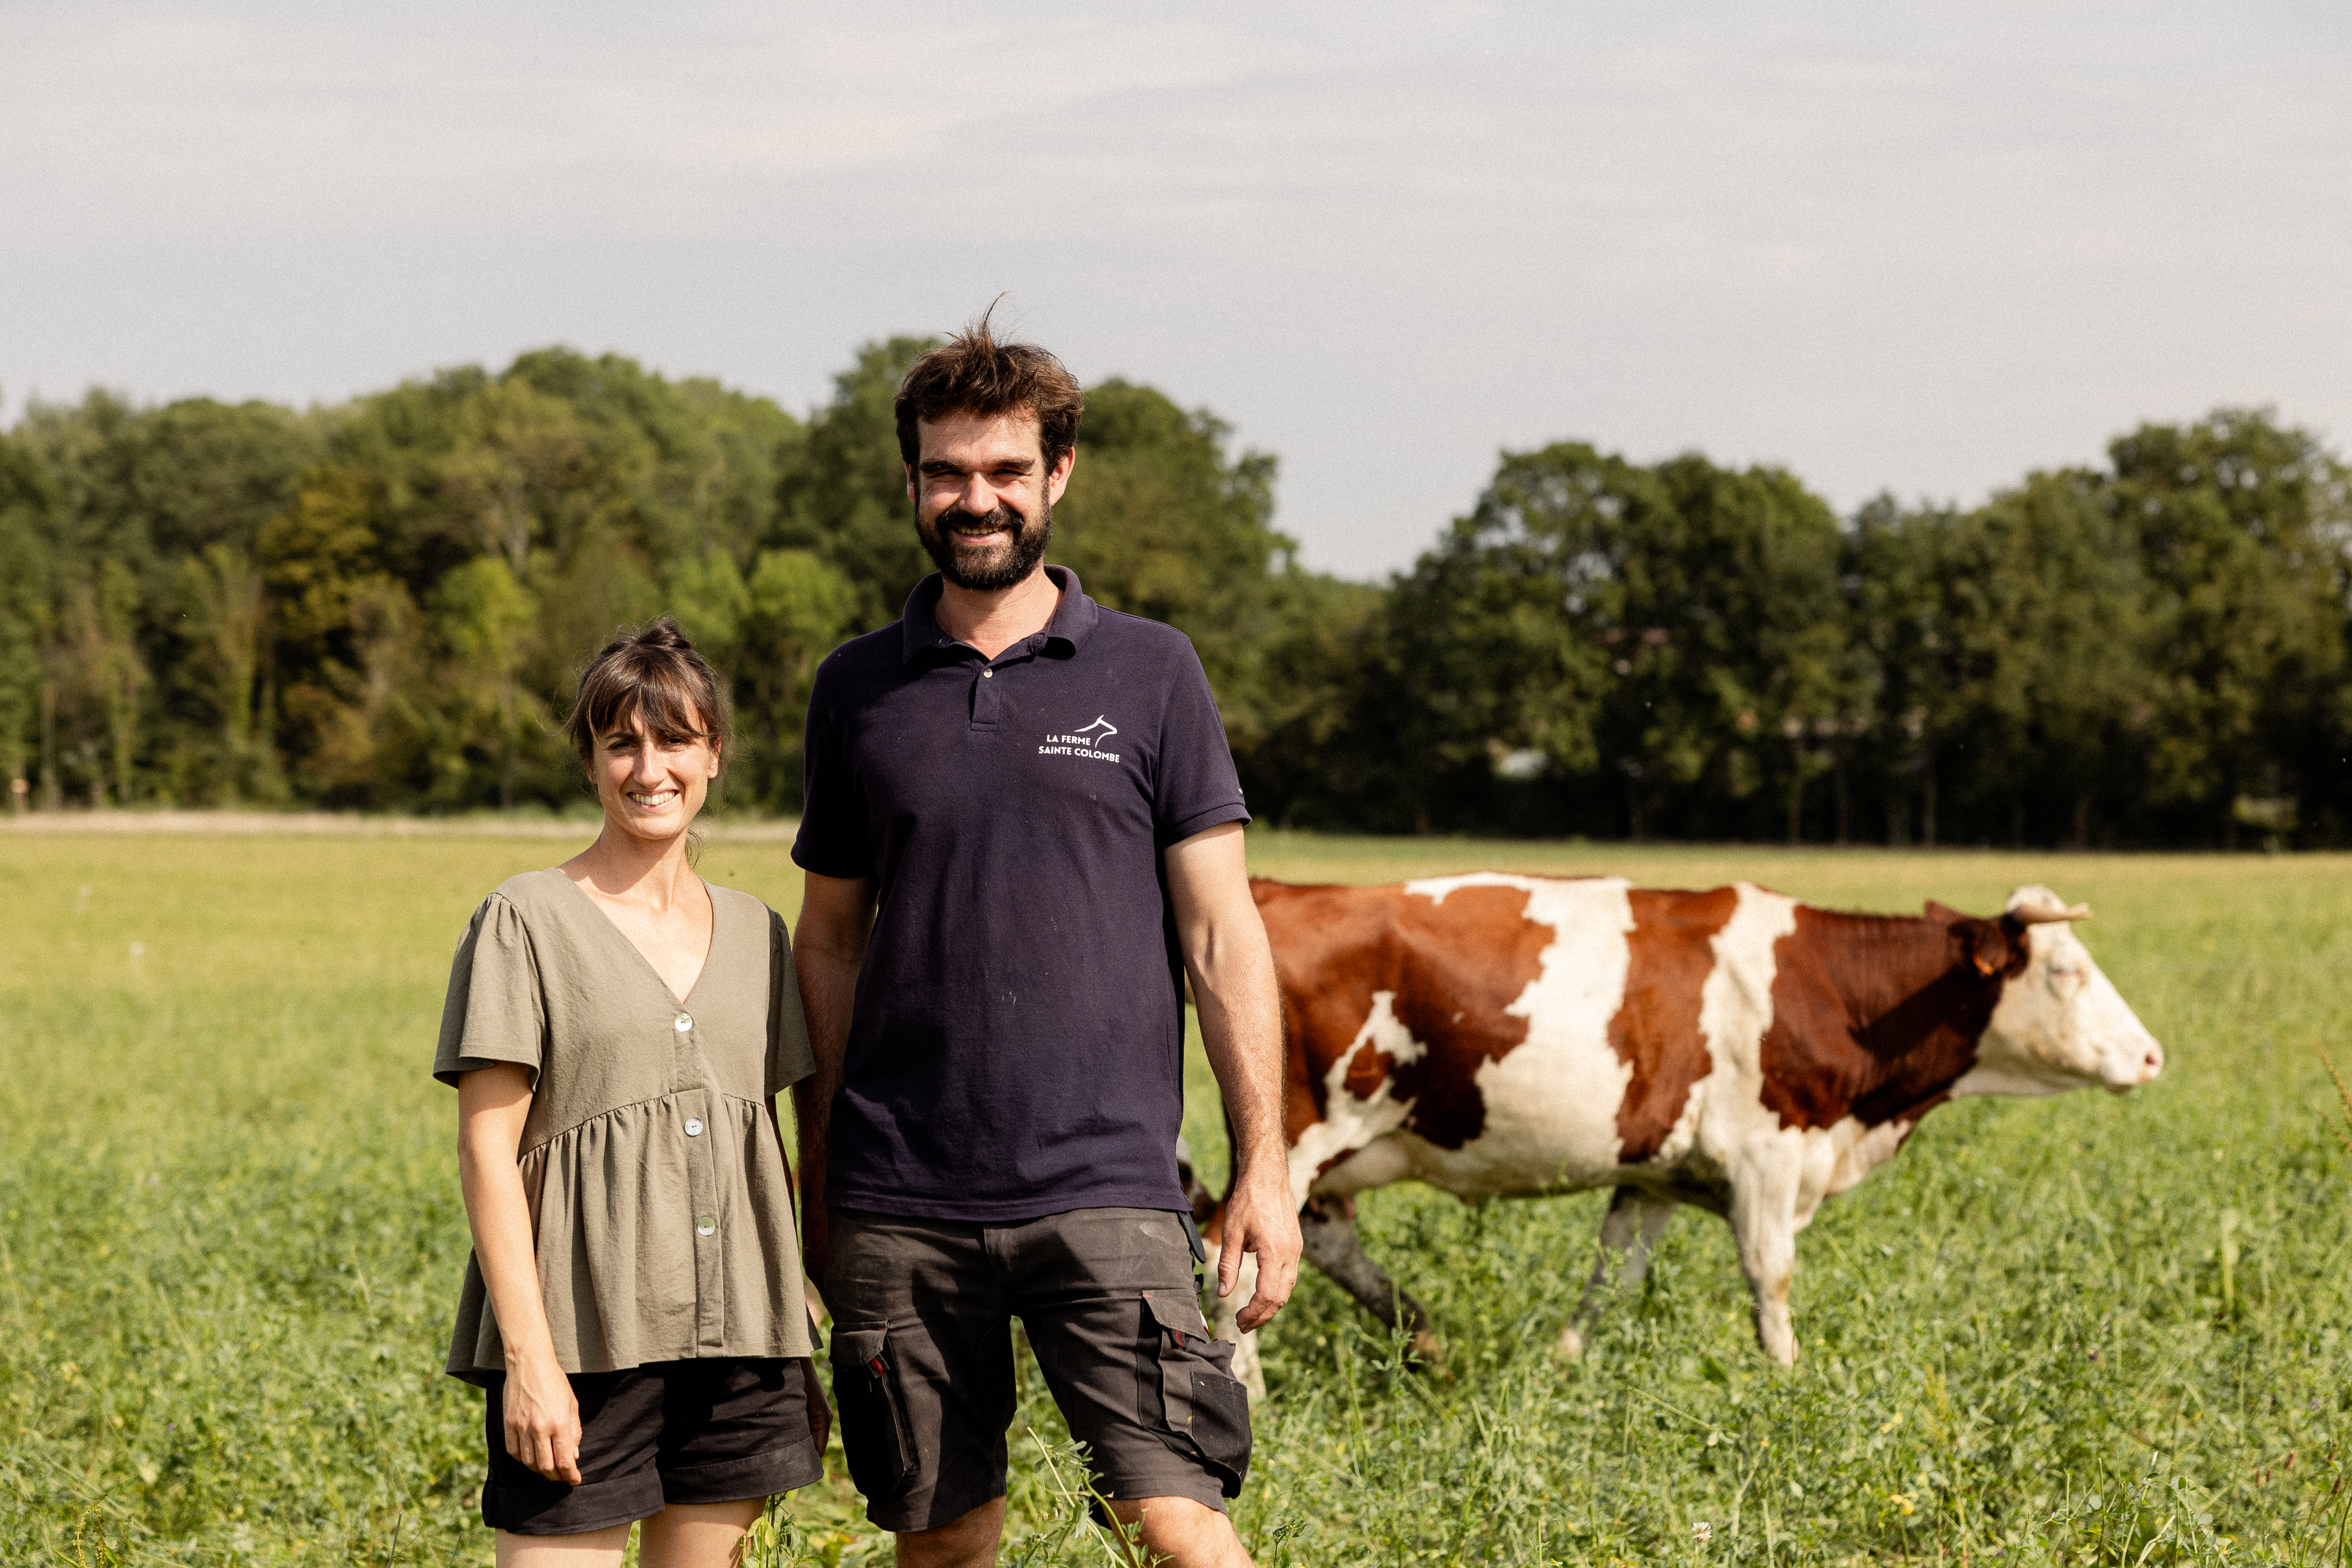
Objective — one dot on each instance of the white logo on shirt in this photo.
(1087, 741)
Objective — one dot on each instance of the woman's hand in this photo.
(542, 1418)
(820, 1414)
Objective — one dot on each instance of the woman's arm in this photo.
(542, 1418)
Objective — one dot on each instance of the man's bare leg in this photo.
(966, 1543)
(1188, 1534)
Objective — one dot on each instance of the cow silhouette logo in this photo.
(1087, 741)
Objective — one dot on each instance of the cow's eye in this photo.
(2062, 970)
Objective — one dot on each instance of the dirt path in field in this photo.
(342, 824)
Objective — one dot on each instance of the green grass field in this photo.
(2054, 1331)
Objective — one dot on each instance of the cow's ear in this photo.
(1944, 913)
(1989, 945)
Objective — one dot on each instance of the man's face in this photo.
(984, 496)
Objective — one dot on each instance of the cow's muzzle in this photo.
(2131, 1070)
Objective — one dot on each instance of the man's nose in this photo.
(979, 497)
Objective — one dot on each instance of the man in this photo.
(1023, 830)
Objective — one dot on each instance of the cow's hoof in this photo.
(1426, 1347)
(1571, 1342)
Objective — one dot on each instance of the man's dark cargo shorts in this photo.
(922, 1357)
(722, 1430)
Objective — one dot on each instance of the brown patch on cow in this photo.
(1367, 1071)
(1453, 968)
(1877, 1016)
(1656, 1030)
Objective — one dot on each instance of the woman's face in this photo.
(650, 787)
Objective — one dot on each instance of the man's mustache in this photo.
(1004, 517)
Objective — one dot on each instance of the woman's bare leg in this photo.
(696, 1534)
(590, 1549)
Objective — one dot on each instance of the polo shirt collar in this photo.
(1074, 618)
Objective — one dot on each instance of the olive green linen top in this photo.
(651, 1160)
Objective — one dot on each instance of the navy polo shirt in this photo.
(1018, 1044)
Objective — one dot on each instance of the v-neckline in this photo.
(685, 1002)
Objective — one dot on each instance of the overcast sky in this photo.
(1922, 248)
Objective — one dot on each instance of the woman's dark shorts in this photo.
(723, 1430)
(922, 1357)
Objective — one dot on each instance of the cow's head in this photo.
(2059, 1024)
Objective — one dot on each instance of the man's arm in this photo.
(828, 947)
(1232, 969)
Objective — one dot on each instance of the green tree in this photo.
(29, 507)
(1160, 521)
(1671, 635)
(483, 618)
(1899, 617)
(2048, 605)
(227, 611)
(2242, 526)
(845, 497)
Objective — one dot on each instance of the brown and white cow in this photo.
(1504, 1036)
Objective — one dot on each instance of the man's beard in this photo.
(986, 568)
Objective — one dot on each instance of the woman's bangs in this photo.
(656, 694)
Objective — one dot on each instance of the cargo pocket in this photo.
(875, 1432)
(1203, 1407)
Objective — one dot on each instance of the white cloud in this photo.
(1922, 247)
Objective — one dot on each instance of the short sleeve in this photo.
(790, 1058)
(1196, 788)
(833, 839)
(494, 1012)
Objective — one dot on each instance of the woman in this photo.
(617, 1030)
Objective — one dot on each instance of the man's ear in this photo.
(1057, 477)
(910, 485)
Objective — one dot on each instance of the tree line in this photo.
(382, 605)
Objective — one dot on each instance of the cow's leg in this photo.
(1629, 1234)
(1328, 1227)
(1764, 1226)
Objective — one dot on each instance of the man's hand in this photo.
(1259, 1219)
(1232, 969)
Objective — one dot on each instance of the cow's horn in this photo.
(2046, 914)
